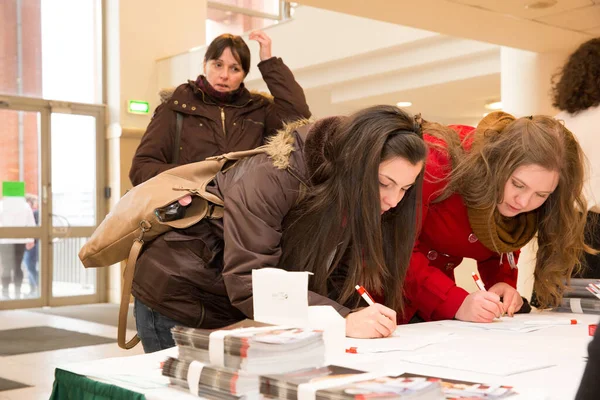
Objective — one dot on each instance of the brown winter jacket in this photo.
(202, 276)
(209, 129)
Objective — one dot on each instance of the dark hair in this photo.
(238, 47)
(338, 223)
(502, 143)
(579, 85)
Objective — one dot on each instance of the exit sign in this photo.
(138, 107)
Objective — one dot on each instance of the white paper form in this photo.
(506, 324)
(280, 297)
(401, 340)
(501, 361)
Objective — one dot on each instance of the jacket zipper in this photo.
(223, 120)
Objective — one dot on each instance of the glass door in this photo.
(52, 181)
(75, 199)
(20, 188)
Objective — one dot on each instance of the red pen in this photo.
(364, 294)
(478, 281)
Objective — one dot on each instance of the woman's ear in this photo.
(204, 68)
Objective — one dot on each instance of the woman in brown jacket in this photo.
(337, 198)
(216, 114)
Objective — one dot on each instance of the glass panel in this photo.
(19, 167)
(69, 277)
(219, 22)
(266, 6)
(19, 267)
(46, 52)
(73, 142)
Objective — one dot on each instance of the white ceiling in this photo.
(522, 24)
(455, 102)
(577, 15)
(560, 27)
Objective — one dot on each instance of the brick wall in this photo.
(31, 67)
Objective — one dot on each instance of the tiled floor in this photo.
(37, 369)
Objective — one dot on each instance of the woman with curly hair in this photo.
(577, 95)
(487, 192)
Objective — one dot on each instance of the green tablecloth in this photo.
(70, 386)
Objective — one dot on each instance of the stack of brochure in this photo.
(582, 296)
(350, 386)
(226, 364)
(213, 382)
(353, 386)
(255, 350)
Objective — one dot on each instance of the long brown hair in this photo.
(500, 145)
(339, 217)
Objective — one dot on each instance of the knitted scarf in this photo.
(216, 96)
(503, 234)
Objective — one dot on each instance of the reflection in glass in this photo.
(73, 170)
(19, 156)
(19, 279)
(223, 21)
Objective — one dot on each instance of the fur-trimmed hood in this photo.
(314, 136)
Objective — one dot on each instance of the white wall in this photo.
(147, 31)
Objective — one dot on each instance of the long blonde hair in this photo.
(500, 144)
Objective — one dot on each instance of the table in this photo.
(139, 377)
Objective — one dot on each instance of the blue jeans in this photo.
(30, 259)
(153, 328)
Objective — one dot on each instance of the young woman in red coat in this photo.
(488, 192)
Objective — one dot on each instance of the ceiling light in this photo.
(494, 105)
(403, 104)
(540, 5)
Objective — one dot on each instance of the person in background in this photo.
(14, 214)
(488, 192)
(215, 113)
(31, 251)
(577, 94)
(338, 197)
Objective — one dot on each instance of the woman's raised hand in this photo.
(265, 44)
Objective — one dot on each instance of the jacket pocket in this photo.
(193, 246)
(253, 128)
(198, 255)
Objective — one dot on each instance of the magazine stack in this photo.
(227, 364)
(358, 385)
(582, 296)
(287, 386)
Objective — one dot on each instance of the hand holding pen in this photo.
(480, 306)
(375, 321)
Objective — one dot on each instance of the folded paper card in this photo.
(280, 297)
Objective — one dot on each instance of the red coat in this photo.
(445, 238)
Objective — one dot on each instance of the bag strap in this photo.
(237, 155)
(126, 295)
(177, 144)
